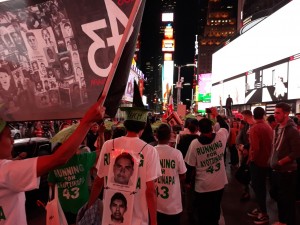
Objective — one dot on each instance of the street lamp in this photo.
(180, 80)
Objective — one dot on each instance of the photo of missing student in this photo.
(50, 55)
(67, 68)
(65, 98)
(123, 170)
(117, 207)
(42, 100)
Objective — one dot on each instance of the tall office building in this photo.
(221, 23)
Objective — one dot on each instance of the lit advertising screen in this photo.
(167, 79)
(273, 39)
(274, 83)
(294, 81)
(169, 32)
(204, 88)
(168, 56)
(236, 89)
(202, 106)
(217, 94)
(167, 17)
(128, 94)
(168, 45)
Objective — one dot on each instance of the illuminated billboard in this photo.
(168, 56)
(273, 39)
(168, 45)
(168, 32)
(167, 17)
(204, 88)
(167, 80)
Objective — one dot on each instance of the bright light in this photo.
(167, 17)
(274, 38)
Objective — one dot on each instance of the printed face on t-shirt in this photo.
(123, 170)
(118, 209)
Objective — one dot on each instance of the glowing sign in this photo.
(168, 57)
(204, 88)
(167, 17)
(167, 80)
(168, 45)
(169, 32)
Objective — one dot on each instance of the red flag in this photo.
(170, 105)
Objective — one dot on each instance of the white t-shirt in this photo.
(168, 185)
(16, 177)
(148, 170)
(209, 162)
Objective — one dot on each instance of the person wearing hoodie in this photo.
(283, 162)
(206, 154)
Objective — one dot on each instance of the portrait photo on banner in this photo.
(123, 170)
(118, 207)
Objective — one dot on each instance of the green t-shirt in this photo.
(71, 180)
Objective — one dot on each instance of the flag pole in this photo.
(124, 38)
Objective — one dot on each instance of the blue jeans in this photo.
(258, 181)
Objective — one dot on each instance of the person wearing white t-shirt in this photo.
(145, 201)
(18, 176)
(206, 155)
(169, 203)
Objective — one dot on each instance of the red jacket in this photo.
(261, 140)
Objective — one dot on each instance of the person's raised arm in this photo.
(69, 147)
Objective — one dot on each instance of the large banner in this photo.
(56, 55)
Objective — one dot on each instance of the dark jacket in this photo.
(287, 144)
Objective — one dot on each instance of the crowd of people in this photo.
(141, 173)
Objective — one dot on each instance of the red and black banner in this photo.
(56, 56)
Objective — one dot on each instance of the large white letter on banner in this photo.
(114, 14)
(98, 43)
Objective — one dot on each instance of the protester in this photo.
(19, 176)
(73, 197)
(283, 162)
(183, 145)
(260, 137)
(169, 205)
(92, 136)
(148, 170)
(242, 140)
(206, 155)
(228, 106)
(234, 157)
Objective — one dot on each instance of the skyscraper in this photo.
(220, 24)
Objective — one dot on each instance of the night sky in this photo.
(185, 30)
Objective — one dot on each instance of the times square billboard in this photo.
(203, 92)
(262, 64)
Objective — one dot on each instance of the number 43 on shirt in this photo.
(213, 168)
